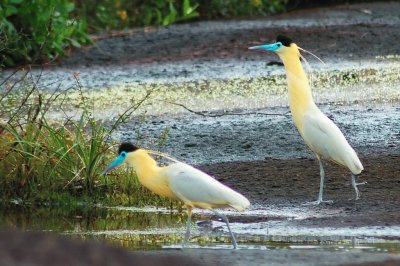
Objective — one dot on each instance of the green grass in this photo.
(60, 162)
(37, 32)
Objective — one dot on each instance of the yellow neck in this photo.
(148, 173)
(300, 97)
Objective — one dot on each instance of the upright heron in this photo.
(321, 135)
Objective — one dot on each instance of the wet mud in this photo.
(34, 249)
(285, 179)
(19, 248)
(205, 140)
(335, 33)
(295, 182)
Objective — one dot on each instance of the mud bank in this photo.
(261, 156)
(370, 129)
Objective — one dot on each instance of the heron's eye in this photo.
(279, 45)
(123, 154)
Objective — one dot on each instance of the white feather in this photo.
(326, 140)
(197, 189)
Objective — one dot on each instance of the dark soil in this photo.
(371, 32)
(294, 182)
(38, 249)
(279, 182)
(344, 42)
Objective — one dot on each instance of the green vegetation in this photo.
(216, 9)
(116, 14)
(45, 161)
(39, 31)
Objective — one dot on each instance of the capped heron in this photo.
(182, 182)
(320, 134)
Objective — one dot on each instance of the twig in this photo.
(208, 114)
(54, 96)
(39, 76)
(12, 87)
(10, 76)
(129, 111)
(22, 104)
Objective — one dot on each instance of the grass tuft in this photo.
(60, 162)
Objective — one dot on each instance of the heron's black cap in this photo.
(284, 40)
(127, 147)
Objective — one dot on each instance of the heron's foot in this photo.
(234, 242)
(317, 202)
(184, 244)
(186, 240)
(362, 183)
(358, 193)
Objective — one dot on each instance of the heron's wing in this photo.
(321, 134)
(197, 189)
(326, 139)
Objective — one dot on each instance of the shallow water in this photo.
(158, 228)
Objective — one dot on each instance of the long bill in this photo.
(268, 47)
(117, 162)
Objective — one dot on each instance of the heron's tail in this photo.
(356, 166)
(240, 202)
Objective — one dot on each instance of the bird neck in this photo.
(149, 173)
(146, 167)
(300, 97)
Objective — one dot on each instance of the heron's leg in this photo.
(225, 219)
(321, 182)
(353, 182)
(321, 185)
(188, 225)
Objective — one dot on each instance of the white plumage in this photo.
(325, 139)
(320, 134)
(197, 189)
(182, 182)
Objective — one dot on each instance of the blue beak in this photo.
(267, 47)
(113, 164)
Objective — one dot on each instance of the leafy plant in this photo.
(237, 8)
(40, 159)
(37, 31)
(117, 14)
(188, 12)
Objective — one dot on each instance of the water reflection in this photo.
(85, 219)
(153, 228)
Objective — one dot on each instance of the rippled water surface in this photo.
(159, 228)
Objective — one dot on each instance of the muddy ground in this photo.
(344, 32)
(39, 249)
(295, 182)
(356, 32)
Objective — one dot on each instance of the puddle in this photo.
(159, 228)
